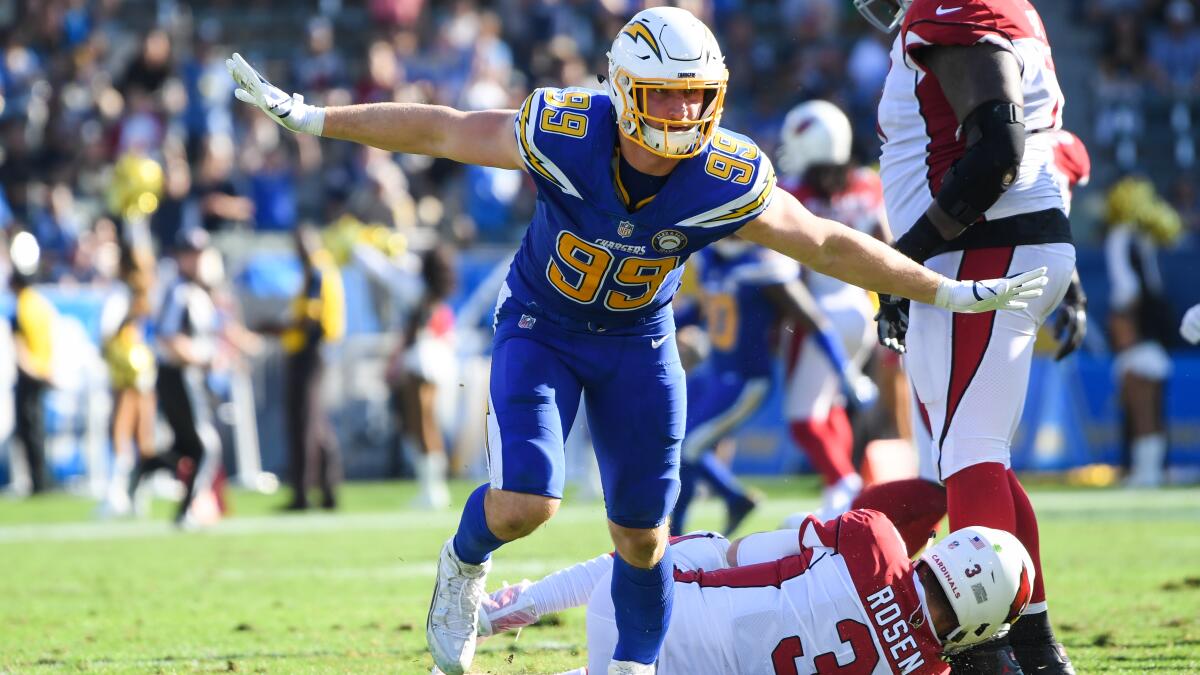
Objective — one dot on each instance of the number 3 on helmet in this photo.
(666, 48)
(987, 576)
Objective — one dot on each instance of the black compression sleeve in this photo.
(995, 136)
(922, 241)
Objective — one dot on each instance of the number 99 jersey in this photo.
(589, 256)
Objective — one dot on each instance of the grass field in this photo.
(347, 592)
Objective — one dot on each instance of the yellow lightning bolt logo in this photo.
(637, 31)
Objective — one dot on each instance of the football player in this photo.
(964, 117)
(631, 181)
(839, 596)
(815, 166)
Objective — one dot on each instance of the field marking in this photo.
(1169, 505)
(398, 570)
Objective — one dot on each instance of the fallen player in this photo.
(816, 599)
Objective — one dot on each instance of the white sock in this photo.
(118, 479)
(1148, 454)
(570, 587)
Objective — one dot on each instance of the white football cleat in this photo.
(454, 610)
(630, 668)
(507, 609)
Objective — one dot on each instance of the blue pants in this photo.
(635, 400)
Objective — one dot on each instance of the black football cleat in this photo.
(738, 511)
(992, 658)
(1048, 658)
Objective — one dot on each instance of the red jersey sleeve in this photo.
(1072, 159)
(962, 23)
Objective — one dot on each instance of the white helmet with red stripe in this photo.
(814, 132)
(988, 578)
(885, 15)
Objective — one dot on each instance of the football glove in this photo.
(290, 111)
(1070, 323)
(1190, 328)
(989, 295)
(891, 322)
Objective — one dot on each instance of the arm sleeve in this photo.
(537, 149)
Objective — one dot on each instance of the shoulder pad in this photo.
(740, 182)
(968, 22)
(557, 125)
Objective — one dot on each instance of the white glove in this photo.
(992, 294)
(1190, 328)
(289, 111)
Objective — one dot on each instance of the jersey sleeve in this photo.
(550, 126)
(963, 23)
(870, 545)
(739, 183)
(1072, 159)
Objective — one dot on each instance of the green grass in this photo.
(266, 592)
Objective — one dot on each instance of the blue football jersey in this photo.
(738, 316)
(589, 257)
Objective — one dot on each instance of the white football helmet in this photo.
(814, 132)
(885, 15)
(988, 578)
(666, 48)
(24, 253)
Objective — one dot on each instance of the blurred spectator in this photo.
(220, 201)
(1140, 322)
(424, 358)
(180, 206)
(321, 67)
(208, 87)
(273, 190)
(1175, 52)
(125, 329)
(186, 341)
(31, 328)
(150, 69)
(318, 320)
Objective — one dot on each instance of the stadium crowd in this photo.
(119, 129)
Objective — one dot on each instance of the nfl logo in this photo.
(625, 228)
(953, 545)
(526, 321)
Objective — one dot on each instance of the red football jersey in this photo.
(849, 602)
(919, 129)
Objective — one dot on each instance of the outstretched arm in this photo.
(485, 137)
(842, 252)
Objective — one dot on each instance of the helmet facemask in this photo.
(676, 139)
(885, 15)
(666, 48)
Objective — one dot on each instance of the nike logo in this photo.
(655, 343)
(942, 11)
